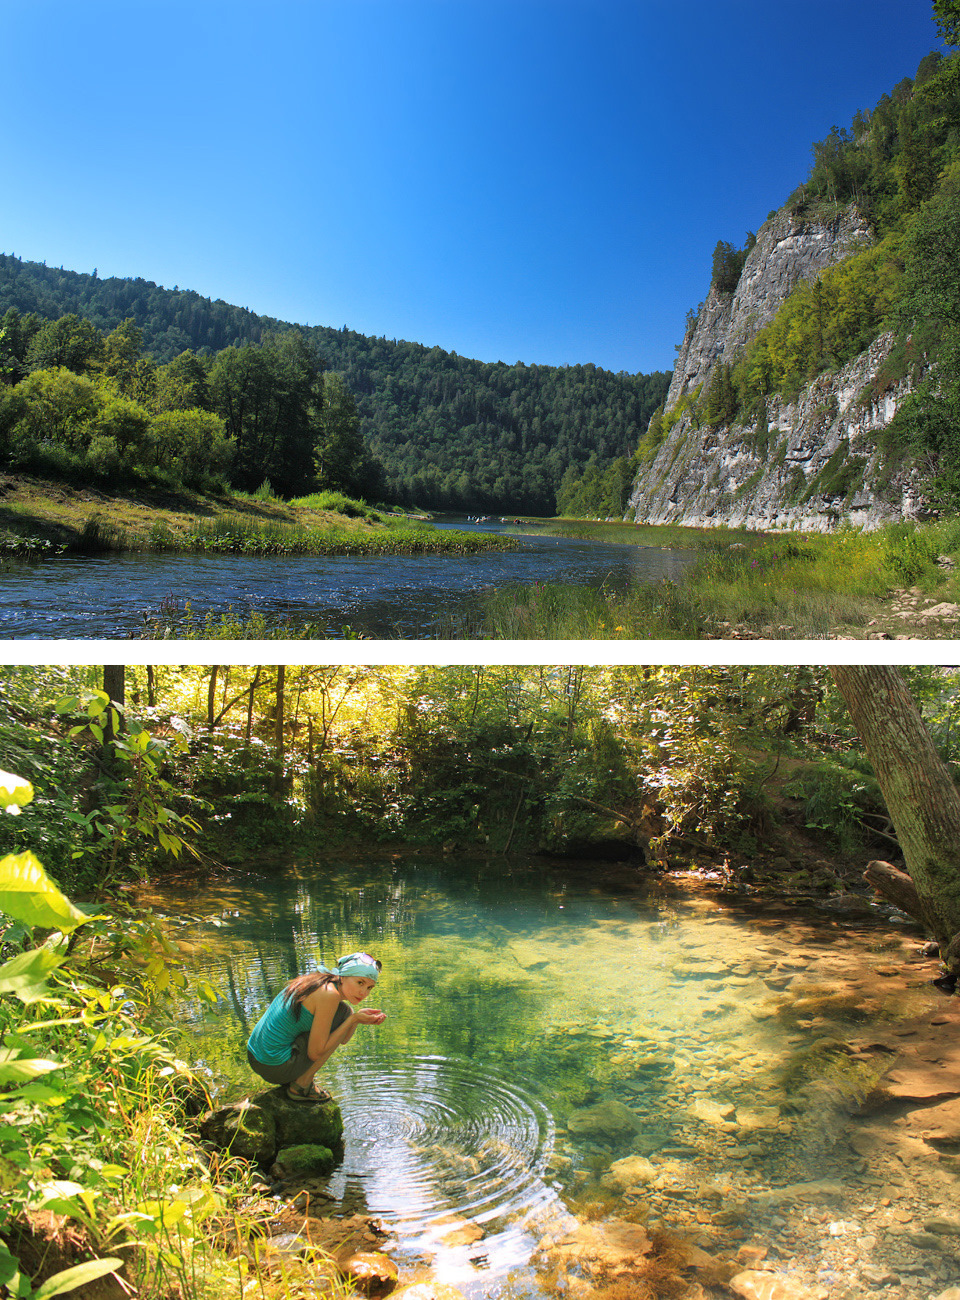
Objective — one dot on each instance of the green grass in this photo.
(792, 587)
(661, 536)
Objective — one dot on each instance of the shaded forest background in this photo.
(757, 772)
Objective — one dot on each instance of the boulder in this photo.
(296, 1122)
(241, 1128)
(609, 1119)
(307, 1158)
(259, 1126)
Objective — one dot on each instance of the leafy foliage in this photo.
(74, 1060)
(449, 432)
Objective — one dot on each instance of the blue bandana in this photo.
(359, 964)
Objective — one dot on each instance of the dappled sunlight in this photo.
(572, 1046)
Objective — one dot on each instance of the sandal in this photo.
(309, 1095)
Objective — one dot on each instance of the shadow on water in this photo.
(565, 1041)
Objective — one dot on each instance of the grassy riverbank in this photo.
(40, 518)
(898, 582)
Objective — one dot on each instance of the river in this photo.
(410, 597)
(548, 1021)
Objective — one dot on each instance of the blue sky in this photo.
(534, 180)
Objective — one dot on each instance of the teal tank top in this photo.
(274, 1032)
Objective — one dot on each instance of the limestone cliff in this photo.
(817, 462)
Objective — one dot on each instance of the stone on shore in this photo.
(370, 1272)
(241, 1128)
(257, 1127)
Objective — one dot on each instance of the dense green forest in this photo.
(449, 432)
(899, 166)
(77, 403)
(650, 762)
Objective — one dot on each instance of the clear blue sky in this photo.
(535, 180)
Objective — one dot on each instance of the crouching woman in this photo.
(305, 1024)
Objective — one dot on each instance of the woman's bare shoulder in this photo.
(327, 996)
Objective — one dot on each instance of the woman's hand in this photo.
(368, 1016)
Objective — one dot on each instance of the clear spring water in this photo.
(518, 1000)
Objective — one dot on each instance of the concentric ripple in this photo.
(439, 1150)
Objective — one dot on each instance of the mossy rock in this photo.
(241, 1128)
(304, 1158)
(297, 1122)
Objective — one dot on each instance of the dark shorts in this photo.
(298, 1064)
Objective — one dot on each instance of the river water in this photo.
(115, 596)
(548, 1021)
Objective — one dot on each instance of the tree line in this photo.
(450, 432)
(79, 403)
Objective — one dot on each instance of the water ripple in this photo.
(440, 1150)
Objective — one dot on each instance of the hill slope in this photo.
(451, 432)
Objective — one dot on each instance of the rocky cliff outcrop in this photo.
(816, 462)
(789, 249)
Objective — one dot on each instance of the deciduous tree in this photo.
(919, 792)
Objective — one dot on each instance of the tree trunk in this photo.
(278, 729)
(918, 789)
(897, 886)
(114, 686)
(212, 696)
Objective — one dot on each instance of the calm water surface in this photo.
(517, 1004)
(111, 596)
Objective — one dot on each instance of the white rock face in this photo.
(788, 249)
(817, 465)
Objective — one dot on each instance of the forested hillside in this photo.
(450, 432)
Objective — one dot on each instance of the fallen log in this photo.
(896, 886)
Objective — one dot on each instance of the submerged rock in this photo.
(428, 1291)
(629, 1172)
(754, 1285)
(608, 1119)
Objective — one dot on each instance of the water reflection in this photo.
(558, 1038)
(401, 596)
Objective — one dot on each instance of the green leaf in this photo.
(15, 792)
(28, 894)
(70, 1278)
(26, 975)
(17, 1069)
